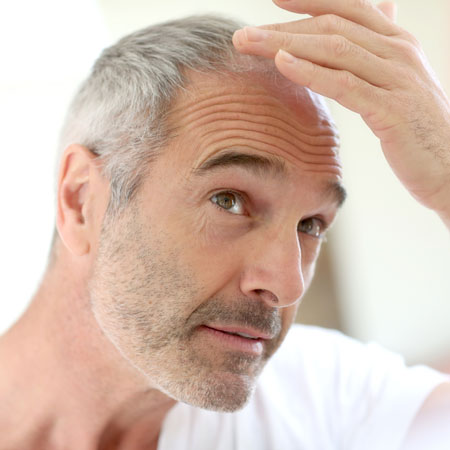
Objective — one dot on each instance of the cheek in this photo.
(289, 314)
(216, 228)
(310, 253)
(210, 244)
(215, 266)
(308, 274)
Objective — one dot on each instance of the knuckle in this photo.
(408, 51)
(278, 27)
(358, 4)
(329, 23)
(408, 37)
(346, 81)
(287, 40)
(338, 45)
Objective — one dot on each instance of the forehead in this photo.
(305, 104)
(256, 113)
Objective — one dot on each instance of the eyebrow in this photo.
(338, 191)
(261, 166)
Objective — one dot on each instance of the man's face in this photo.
(221, 239)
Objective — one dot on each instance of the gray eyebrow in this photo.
(261, 166)
(338, 191)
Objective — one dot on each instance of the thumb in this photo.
(389, 9)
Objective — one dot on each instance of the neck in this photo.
(64, 385)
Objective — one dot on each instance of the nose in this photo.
(273, 270)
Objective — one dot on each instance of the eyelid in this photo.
(239, 195)
(324, 225)
(323, 222)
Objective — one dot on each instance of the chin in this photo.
(225, 392)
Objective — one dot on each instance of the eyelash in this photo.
(323, 227)
(240, 197)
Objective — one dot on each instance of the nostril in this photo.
(267, 296)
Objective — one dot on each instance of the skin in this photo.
(116, 327)
(223, 273)
(90, 333)
(354, 52)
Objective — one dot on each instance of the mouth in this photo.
(245, 332)
(241, 339)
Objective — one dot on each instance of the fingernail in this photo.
(256, 34)
(287, 57)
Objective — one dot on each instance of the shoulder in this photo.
(315, 346)
(359, 394)
(318, 346)
(329, 357)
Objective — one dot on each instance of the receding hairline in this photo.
(131, 136)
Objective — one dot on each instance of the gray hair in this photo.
(120, 111)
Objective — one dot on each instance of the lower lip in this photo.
(253, 346)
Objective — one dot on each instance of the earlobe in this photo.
(73, 200)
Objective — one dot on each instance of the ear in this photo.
(78, 199)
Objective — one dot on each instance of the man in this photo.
(195, 186)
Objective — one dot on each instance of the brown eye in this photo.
(312, 227)
(229, 202)
(225, 201)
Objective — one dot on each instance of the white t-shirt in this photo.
(320, 391)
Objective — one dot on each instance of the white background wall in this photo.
(392, 257)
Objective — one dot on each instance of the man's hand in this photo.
(354, 53)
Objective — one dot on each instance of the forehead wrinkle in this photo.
(329, 148)
(266, 119)
(295, 153)
(303, 126)
(197, 109)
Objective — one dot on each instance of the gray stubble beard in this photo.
(157, 336)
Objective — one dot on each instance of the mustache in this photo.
(246, 312)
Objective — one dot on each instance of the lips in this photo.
(245, 332)
(249, 341)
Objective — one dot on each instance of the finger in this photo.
(331, 51)
(330, 24)
(348, 90)
(358, 11)
(389, 9)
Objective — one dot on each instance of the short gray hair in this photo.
(120, 111)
